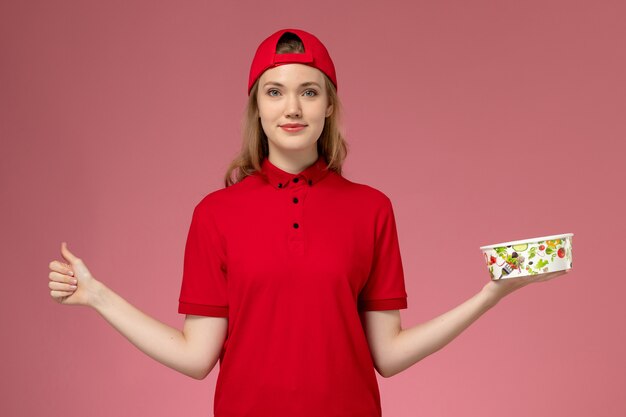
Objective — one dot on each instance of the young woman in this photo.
(292, 274)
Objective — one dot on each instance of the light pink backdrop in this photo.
(483, 121)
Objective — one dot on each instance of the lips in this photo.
(292, 127)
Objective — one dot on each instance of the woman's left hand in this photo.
(496, 290)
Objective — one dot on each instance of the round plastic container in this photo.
(526, 257)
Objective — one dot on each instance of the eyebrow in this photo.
(301, 85)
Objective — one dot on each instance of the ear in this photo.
(329, 110)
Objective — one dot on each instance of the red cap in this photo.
(315, 55)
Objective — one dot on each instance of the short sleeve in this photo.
(384, 289)
(204, 284)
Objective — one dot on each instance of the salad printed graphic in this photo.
(529, 258)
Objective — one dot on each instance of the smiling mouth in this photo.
(293, 128)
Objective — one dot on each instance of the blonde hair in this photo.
(254, 148)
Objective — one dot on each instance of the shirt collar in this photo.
(282, 179)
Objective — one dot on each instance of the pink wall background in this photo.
(483, 122)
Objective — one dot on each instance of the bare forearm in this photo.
(413, 344)
(161, 342)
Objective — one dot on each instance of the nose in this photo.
(292, 107)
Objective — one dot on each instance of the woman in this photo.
(292, 274)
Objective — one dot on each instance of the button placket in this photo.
(297, 193)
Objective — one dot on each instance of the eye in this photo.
(269, 92)
(311, 91)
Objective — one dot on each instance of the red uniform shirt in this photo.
(291, 259)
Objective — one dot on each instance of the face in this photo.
(292, 94)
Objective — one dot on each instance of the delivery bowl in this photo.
(526, 257)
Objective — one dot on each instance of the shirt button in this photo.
(310, 182)
(296, 225)
(280, 185)
(295, 200)
(296, 179)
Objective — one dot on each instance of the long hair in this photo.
(254, 148)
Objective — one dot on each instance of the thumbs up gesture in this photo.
(70, 281)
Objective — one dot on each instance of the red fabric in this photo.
(315, 55)
(295, 345)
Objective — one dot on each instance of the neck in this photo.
(293, 163)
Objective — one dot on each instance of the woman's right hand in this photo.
(70, 281)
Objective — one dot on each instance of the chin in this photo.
(294, 145)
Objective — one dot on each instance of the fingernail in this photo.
(72, 273)
(73, 287)
(74, 281)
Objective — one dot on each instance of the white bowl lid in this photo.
(534, 239)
